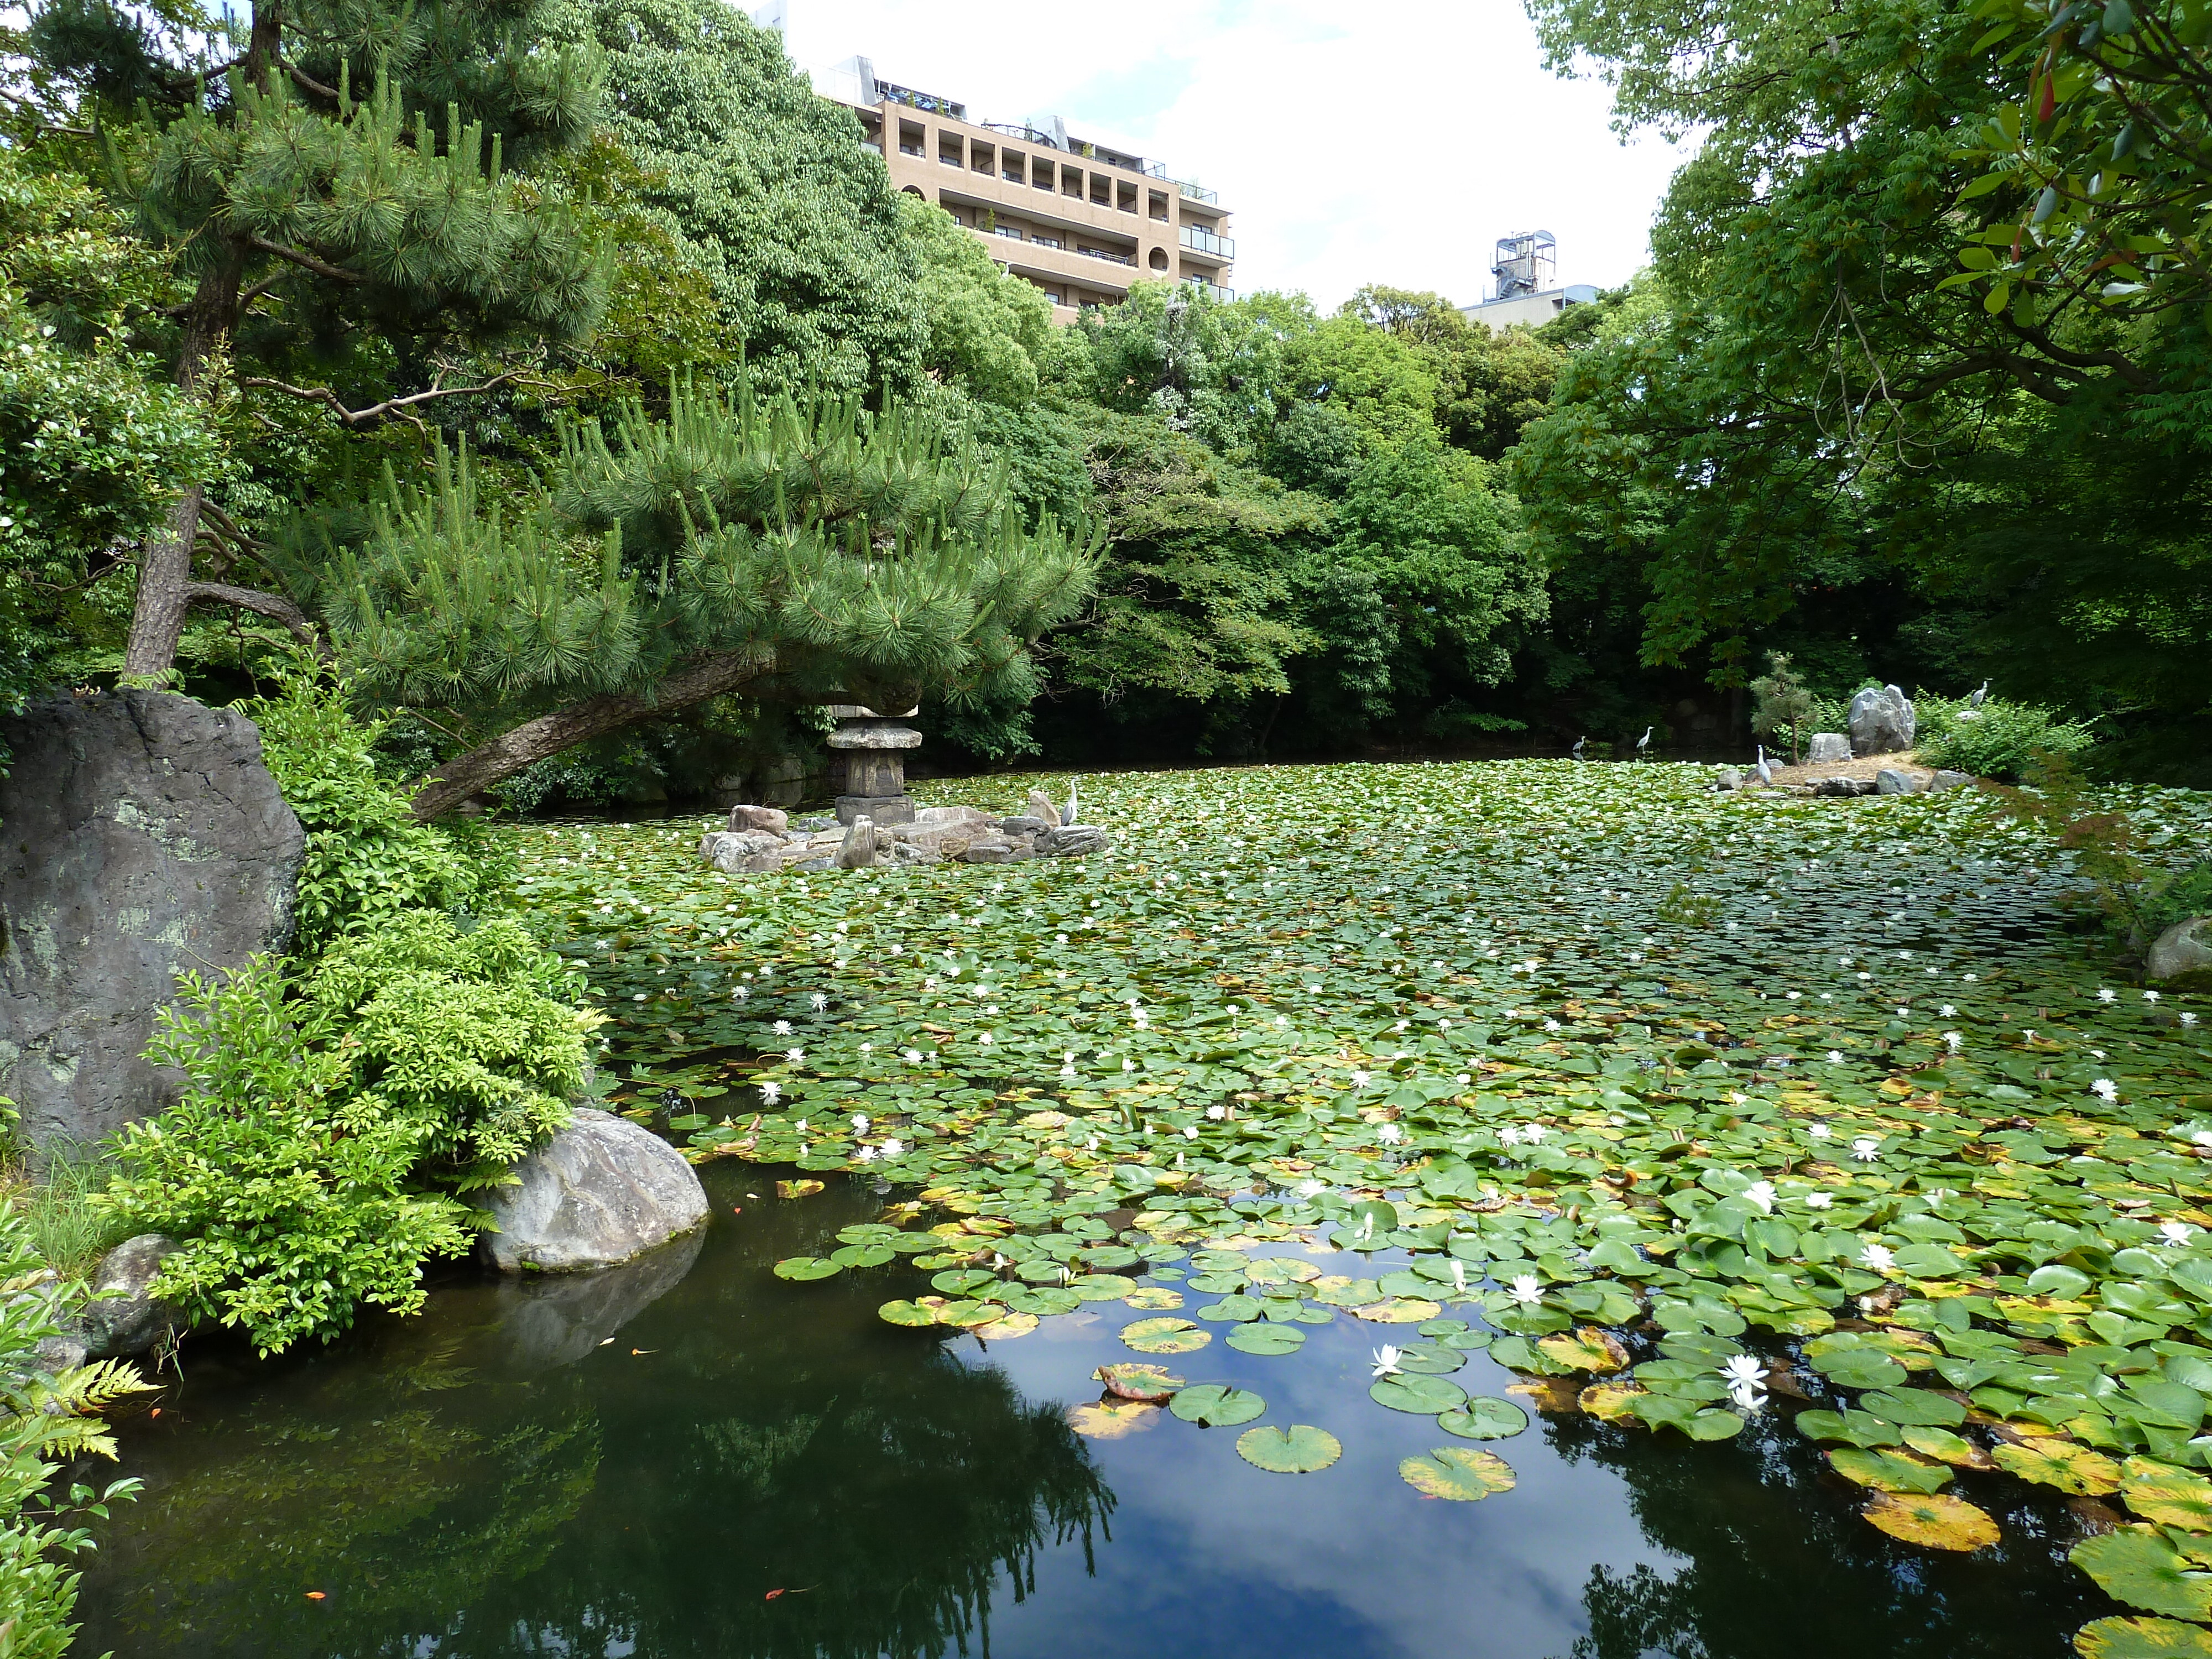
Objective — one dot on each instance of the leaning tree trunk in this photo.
(580, 722)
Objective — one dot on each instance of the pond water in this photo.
(637, 1463)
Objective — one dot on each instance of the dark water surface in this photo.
(636, 1464)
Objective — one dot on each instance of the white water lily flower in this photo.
(1821, 1132)
(1390, 1133)
(1948, 1012)
(986, 1038)
(819, 1001)
(1835, 1057)
(1866, 1149)
(860, 1124)
(1509, 1136)
(2201, 1137)
(893, 1148)
(2106, 993)
(1217, 1113)
(1880, 1257)
(1761, 1193)
(794, 1055)
(2176, 1232)
(1525, 1290)
(1310, 1188)
(1091, 1144)
(771, 1091)
(1551, 1026)
(1748, 1398)
(1127, 1064)
(1359, 1079)
(2106, 1089)
(782, 1028)
(1820, 1201)
(2150, 996)
(912, 1056)
(866, 1154)
(1745, 1370)
(800, 1126)
(1532, 1133)
(1458, 1275)
(1190, 1131)
(2188, 1019)
(1386, 1360)
(1954, 1041)
(741, 992)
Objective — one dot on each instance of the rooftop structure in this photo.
(1529, 295)
(1079, 219)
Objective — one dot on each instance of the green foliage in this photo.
(330, 1116)
(57, 1202)
(2000, 739)
(46, 1420)
(367, 861)
(769, 192)
(1783, 704)
(987, 328)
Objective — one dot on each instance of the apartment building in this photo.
(1080, 220)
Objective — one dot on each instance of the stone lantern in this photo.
(874, 746)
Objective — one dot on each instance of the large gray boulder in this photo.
(123, 1318)
(2182, 954)
(1881, 721)
(1890, 781)
(140, 837)
(1827, 747)
(602, 1191)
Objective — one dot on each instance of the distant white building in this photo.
(1528, 292)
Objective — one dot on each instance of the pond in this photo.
(635, 1463)
(1827, 1236)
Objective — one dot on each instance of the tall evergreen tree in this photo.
(340, 195)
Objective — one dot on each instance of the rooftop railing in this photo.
(1199, 193)
(929, 102)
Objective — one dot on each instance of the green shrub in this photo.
(328, 1121)
(2000, 739)
(58, 1204)
(366, 859)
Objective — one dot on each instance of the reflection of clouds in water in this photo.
(1213, 1558)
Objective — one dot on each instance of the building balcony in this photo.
(1198, 240)
(1199, 193)
(1211, 290)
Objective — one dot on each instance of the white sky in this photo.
(1385, 141)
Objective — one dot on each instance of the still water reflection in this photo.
(691, 1457)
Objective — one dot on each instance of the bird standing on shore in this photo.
(1067, 812)
(1975, 702)
(1763, 769)
(1644, 742)
(1576, 751)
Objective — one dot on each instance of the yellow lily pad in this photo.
(1165, 1336)
(1155, 1297)
(1609, 1401)
(1398, 1310)
(1931, 1521)
(796, 1189)
(1588, 1349)
(2172, 1497)
(1006, 1329)
(2142, 1639)
(1461, 1474)
(1888, 1471)
(2062, 1464)
(1947, 1447)
(1110, 1420)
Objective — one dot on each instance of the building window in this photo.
(1046, 241)
(1012, 232)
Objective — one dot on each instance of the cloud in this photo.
(1392, 140)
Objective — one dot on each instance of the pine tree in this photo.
(805, 550)
(339, 195)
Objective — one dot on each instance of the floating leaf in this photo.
(1217, 1406)
(1266, 1339)
(1933, 1522)
(1154, 1298)
(1484, 1416)
(1102, 1287)
(1913, 1409)
(1300, 1449)
(2060, 1463)
(1612, 1403)
(1398, 1310)
(906, 1313)
(1888, 1471)
(804, 1267)
(1458, 1472)
(963, 1281)
(1006, 1326)
(2137, 1565)
(2142, 1639)
(1231, 1309)
(1588, 1349)
(796, 1189)
(861, 1255)
(1132, 1381)
(1945, 1447)
(2172, 1497)
(1110, 1420)
(1429, 1358)
(1165, 1336)
(1424, 1397)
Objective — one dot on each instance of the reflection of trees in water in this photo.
(1777, 1560)
(456, 1490)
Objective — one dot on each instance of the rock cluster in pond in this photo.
(600, 1191)
(141, 836)
(2182, 955)
(760, 840)
(1881, 722)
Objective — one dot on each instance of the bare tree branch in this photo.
(306, 260)
(391, 408)
(274, 607)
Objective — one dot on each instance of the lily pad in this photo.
(1424, 1397)
(963, 1281)
(796, 1189)
(1110, 1420)
(1155, 1383)
(1269, 1338)
(906, 1313)
(1398, 1310)
(861, 1255)
(1612, 1403)
(1165, 1336)
(1102, 1287)
(804, 1268)
(2142, 1639)
(1587, 1349)
(1484, 1416)
(1931, 1521)
(1460, 1474)
(1945, 1447)
(2060, 1463)
(1006, 1328)
(1300, 1449)
(1217, 1406)
(1154, 1298)
(1888, 1471)
(1231, 1310)
(2172, 1497)
(2136, 1564)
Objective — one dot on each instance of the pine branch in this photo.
(274, 607)
(306, 260)
(403, 408)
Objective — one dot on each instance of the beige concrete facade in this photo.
(1082, 223)
(1528, 310)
